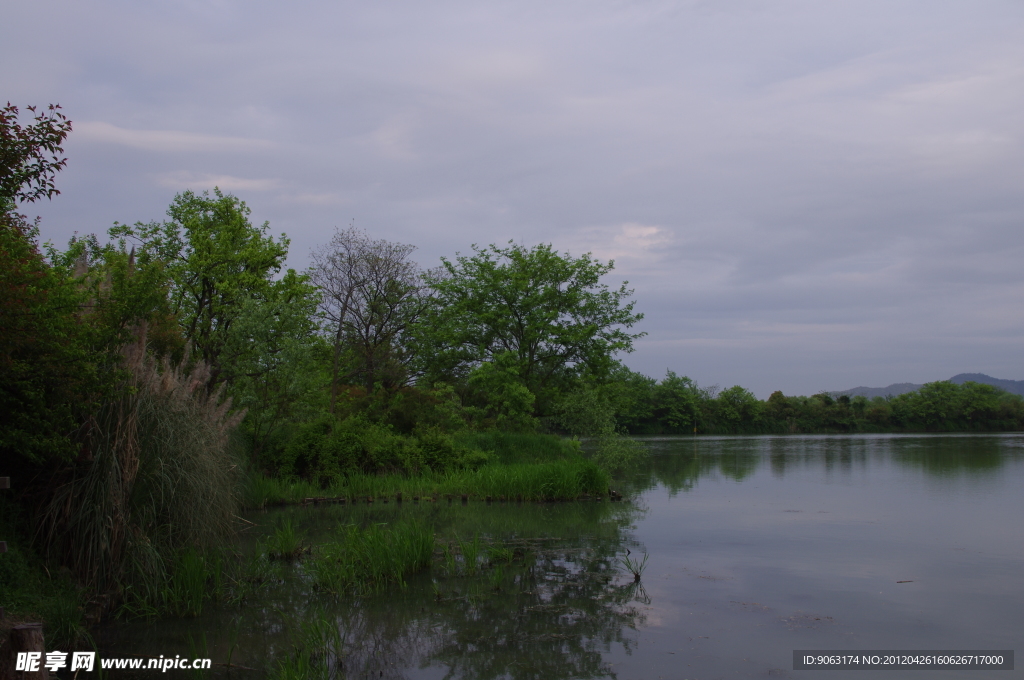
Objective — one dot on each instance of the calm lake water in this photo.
(756, 546)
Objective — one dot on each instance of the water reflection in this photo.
(678, 463)
(553, 613)
(755, 536)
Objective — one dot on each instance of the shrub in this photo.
(155, 476)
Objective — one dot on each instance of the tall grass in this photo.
(565, 479)
(365, 560)
(156, 477)
(186, 588)
(317, 654)
(285, 543)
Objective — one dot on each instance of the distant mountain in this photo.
(1011, 386)
(871, 392)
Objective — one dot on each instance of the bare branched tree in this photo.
(372, 293)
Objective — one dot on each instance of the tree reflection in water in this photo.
(552, 613)
(678, 463)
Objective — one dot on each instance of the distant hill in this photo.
(1011, 386)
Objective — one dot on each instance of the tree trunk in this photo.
(25, 638)
(337, 350)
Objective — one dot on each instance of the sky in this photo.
(804, 195)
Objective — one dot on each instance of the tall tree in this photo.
(42, 363)
(218, 262)
(372, 293)
(549, 311)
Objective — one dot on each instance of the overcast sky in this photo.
(805, 195)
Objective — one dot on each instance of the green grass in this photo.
(498, 554)
(187, 589)
(366, 560)
(565, 479)
(32, 592)
(470, 550)
(318, 647)
(285, 543)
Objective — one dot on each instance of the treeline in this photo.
(677, 405)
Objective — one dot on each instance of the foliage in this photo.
(327, 448)
(548, 312)
(44, 363)
(506, 403)
(619, 455)
(277, 364)
(31, 592)
(518, 447)
(676, 403)
(30, 155)
(217, 262)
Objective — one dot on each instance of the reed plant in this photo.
(365, 560)
(156, 476)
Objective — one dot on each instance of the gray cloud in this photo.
(805, 196)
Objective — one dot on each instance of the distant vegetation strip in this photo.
(676, 405)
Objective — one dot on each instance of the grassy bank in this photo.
(553, 481)
(528, 467)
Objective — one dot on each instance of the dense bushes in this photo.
(327, 448)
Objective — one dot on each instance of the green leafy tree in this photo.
(44, 365)
(677, 404)
(42, 362)
(282, 382)
(548, 311)
(30, 156)
(217, 263)
(507, 401)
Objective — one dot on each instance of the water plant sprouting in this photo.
(635, 566)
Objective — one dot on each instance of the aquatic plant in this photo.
(634, 565)
(498, 553)
(186, 588)
(365, 560)
(285, 543)
(470, 551)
